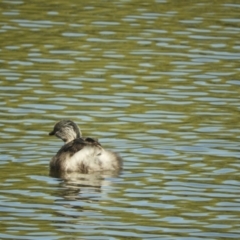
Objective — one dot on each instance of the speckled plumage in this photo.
(81, 154)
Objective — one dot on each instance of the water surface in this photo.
(156, 81)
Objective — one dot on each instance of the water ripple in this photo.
(159, 87)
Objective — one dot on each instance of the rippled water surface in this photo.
(158, 82)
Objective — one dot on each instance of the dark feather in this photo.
(77, 144)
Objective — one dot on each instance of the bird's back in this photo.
(84, 155)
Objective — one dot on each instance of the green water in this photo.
(156, 81)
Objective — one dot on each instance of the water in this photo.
(156, 81)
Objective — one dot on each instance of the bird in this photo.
(81, 154)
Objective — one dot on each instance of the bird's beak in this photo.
(52, 133)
